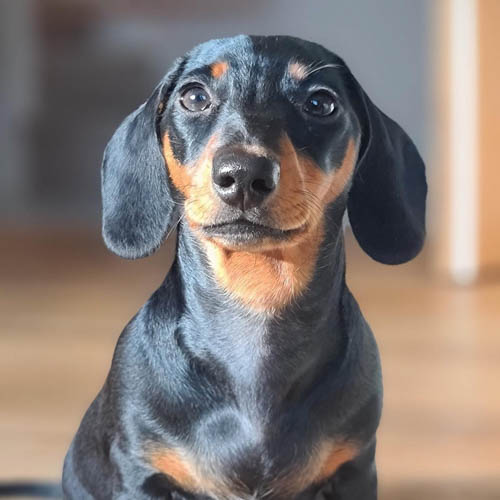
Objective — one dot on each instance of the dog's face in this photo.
(259, 137)
(251, 140)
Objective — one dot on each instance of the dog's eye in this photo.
(320, 103)
(195, 99)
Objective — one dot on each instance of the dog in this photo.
(251, 372)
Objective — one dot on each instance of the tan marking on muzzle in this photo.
(269, 276)
(194, 182)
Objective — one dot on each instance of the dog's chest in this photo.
(236, 457)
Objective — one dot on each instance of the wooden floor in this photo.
(64, 301)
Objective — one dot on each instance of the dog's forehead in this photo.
(208, 52)
(265, 53)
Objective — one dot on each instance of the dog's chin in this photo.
(242, 235)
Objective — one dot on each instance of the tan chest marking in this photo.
(334, 457)
(323, 465)
(176, 467)
(188, 475)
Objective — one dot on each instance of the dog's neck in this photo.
(278, 348)
(301, 276)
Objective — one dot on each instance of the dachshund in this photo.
(251, 372)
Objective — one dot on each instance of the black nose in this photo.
(242, 179)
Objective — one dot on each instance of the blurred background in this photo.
(71, 70)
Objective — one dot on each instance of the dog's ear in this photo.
(137, 205)
(386, 203)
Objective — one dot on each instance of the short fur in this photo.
(251, 372)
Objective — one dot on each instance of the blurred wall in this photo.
(93, 62)
(18, 100)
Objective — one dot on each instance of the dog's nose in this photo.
(244, 180)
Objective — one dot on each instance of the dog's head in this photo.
(251, 139)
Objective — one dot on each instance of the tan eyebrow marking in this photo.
(297, 70)
(219, 68)
(300, 71)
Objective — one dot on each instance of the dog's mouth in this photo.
(242, 232)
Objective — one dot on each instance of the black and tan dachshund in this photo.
(251, 372)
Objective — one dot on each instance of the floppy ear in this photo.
(137, 206)
(386, 203)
